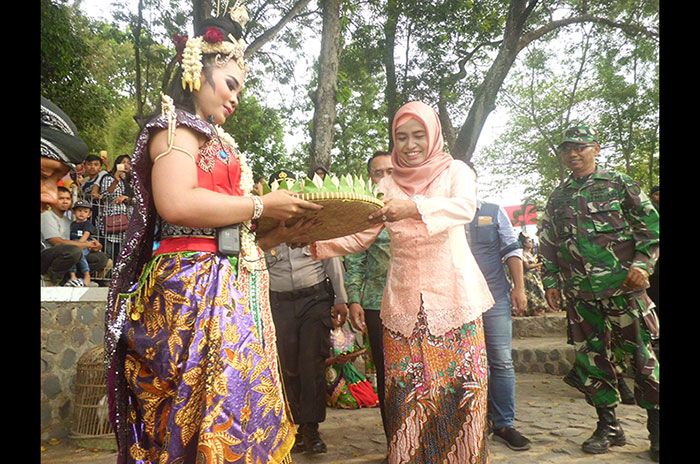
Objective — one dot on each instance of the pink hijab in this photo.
(415, 179)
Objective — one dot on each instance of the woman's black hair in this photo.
(183, 98)
(522, 237)
(118, 160)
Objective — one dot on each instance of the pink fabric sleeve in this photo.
(342, 246)
(440, 213)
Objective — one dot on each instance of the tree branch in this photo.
(308, 13)
(630, 29)
(581, 68)
(462, 63)
(256, 16)
(526, 13)
(269, 34)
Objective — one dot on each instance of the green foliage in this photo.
(456, 29)
(608, 81)
(72, 73)
(259, 132)
(360, 123)
(347, 183)
(121, 130)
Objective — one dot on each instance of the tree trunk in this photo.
(390, 92)
(325, 98)
(201, 10)
(448, 130)
(514, 40)
(485, 97)
(139, 117)
(651, 159)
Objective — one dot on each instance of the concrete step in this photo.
(547, 325)
(549, 355)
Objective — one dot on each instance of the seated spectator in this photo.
(116, 195)
(59, 253)
(82, 230)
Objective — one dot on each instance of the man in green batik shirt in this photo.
(599, 241)
(365, 277)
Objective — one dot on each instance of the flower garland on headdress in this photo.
(212, 41)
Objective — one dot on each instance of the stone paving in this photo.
(553, 415)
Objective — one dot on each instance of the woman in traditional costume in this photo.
(536, 303)
(190, 345)
(434, 349)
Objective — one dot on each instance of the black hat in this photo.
(654, 189)
(281, 175)
(59, 136)
(82, 204)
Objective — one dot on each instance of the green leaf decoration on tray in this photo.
(359, 185)
(347, 202)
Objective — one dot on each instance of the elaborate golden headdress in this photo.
(212, 41)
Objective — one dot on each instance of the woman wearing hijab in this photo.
(435, 355)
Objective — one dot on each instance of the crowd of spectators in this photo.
(88, 222)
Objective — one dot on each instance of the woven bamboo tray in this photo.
(342, 214)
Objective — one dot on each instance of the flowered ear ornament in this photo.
(212, 42)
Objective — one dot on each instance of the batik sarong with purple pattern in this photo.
(201, 386)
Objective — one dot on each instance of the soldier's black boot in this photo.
(626, 394)
(653, 428)
(607, 433)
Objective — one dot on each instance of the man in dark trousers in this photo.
(308, 299)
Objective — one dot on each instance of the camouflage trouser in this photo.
(603, 333)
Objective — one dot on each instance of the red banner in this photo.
(522, 215)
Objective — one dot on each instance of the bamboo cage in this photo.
(91, 427)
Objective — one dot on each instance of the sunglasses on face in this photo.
(577, 147)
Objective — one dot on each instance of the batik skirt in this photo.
(201, 388)
(436, 395)
(536, 303)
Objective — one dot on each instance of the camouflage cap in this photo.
(579, 134)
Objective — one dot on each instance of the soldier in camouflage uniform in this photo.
(599, 241)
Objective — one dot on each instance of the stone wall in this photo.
(72, 322)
